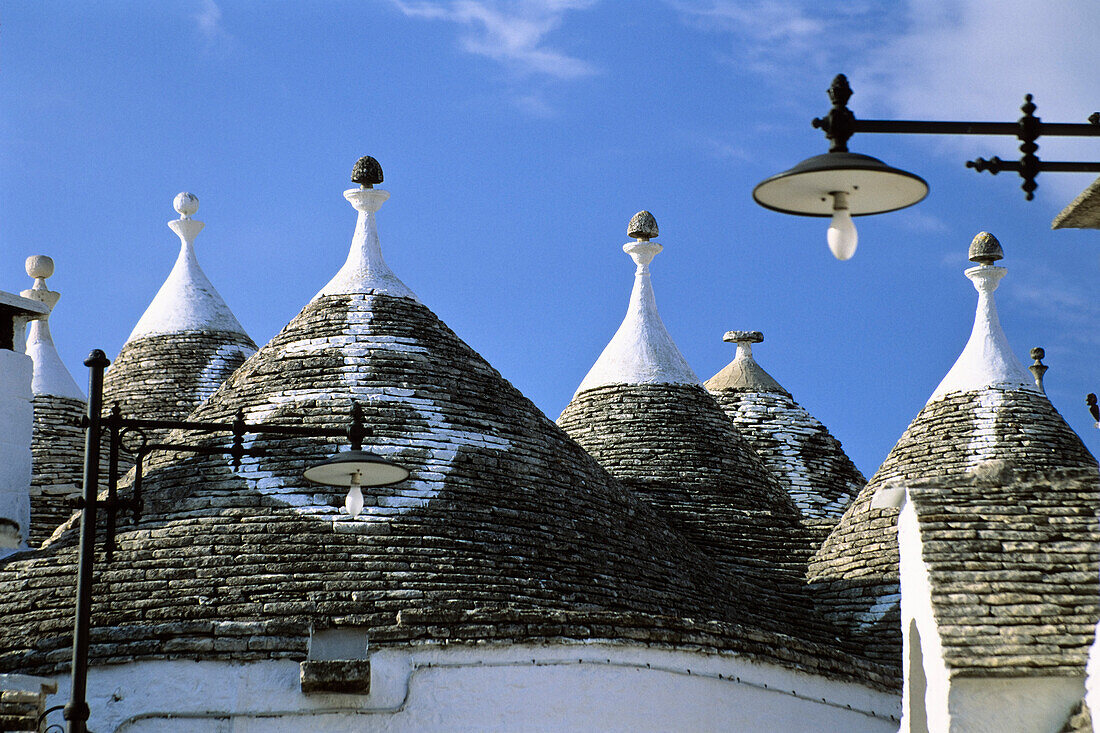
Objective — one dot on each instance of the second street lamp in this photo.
(842, 184)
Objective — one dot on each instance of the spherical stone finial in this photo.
(642, 226)
(39, 266)
(185, 204)
(1038, 354)
(367, 172)
(985, 249)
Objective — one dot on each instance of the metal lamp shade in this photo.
(373, 470)
(872, 186)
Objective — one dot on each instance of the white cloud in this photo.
(1058, 301)
(784, 38)
(209, 21)
(511, 33)
(975, 60)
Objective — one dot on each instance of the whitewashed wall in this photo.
(506, 688)
(17, 419)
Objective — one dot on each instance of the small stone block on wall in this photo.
(350, 676)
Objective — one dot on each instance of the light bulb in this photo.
(842, 236)
(354, 501)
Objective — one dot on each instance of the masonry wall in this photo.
(548, 687)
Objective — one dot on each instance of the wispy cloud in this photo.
(1062, 303)
(971, 59)
(781, 37)
(209, 21)
(511, 33)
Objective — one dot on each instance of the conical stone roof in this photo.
(987, 408)
(506, 530)
(646, 418)
(185, 344)
(57, 443)
(795, 447)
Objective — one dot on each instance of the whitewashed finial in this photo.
(987, 360)
(365, 271)
(187, 301)
(641, 351)
(50, 377)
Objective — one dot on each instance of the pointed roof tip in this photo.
(50, 377)
(743, 374)
(987, 359)
(641, 351)
(187, 301)
(365, 271)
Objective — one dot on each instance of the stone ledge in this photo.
(350, 676)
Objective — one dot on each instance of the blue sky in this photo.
(518, 138)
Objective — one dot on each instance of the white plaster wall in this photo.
(16, 426)
(574, 687)
(1021, 705)
(916, 605)
(1092, 684)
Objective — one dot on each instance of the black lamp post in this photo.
(348, 468)
(842, 184)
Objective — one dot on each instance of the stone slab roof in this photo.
(796, 448)
(673, 447)
(506, 529)
(1012, 563)
(57, 460)
(856, 569)
(165, 377)
(1083, 212)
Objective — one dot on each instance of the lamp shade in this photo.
(340, 470)
(872, 186)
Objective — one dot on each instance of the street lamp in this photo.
(842, 184)
(359, 467)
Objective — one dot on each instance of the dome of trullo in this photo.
(987, 408)
(644, 415)
(798, 450)
(185, 344)
(505, 531)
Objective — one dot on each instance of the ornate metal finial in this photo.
(642, 227)
(839, 91)
(367, 172)
(1030, 128)
(839, 124)
(185, 204)
(985, 249)
(1038, 369)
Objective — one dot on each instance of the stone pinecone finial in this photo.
(642, 226)
(367, 172)
(985, 249)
